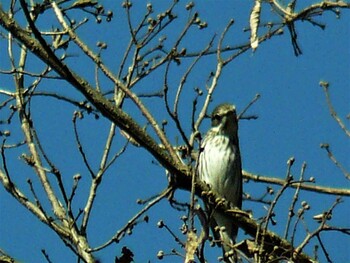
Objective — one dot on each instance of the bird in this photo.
(220, 167)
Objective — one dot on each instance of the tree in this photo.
(92, 87)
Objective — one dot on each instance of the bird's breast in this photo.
(219, 167)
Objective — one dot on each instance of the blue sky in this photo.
(293, 121)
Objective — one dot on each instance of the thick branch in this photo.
(274, 245)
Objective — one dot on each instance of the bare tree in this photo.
(43, 41)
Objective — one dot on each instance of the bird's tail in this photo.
(228, 233)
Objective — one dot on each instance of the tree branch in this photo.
(107, 108)
(308, 187)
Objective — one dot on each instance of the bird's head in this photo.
(224, 119)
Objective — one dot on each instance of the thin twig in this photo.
(291, 212)
(323, 248)
(188, 71)
(257, 96)
(46, 256)
(84, 105)
(80, 146)
(334, 160)
(325, 86)
(220, 64)
(76, 179)
(174, 114)
(270, 211)
(120, 233)
(104, 165)
(321, 227)
(300, 217)
(287, 182)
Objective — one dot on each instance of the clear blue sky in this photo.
(293, 121)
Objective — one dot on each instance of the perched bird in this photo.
(220, 167)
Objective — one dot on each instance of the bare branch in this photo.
(116, 115)
(308, 187)
(79, 144)
(325, 86)
(334, 160)
(240, 116)
(118, 83)
(318, 230)
(271, 212)
(98, 179)
(291, 212)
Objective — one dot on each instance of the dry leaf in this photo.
(254, 24)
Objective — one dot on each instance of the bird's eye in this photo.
(217, 118)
